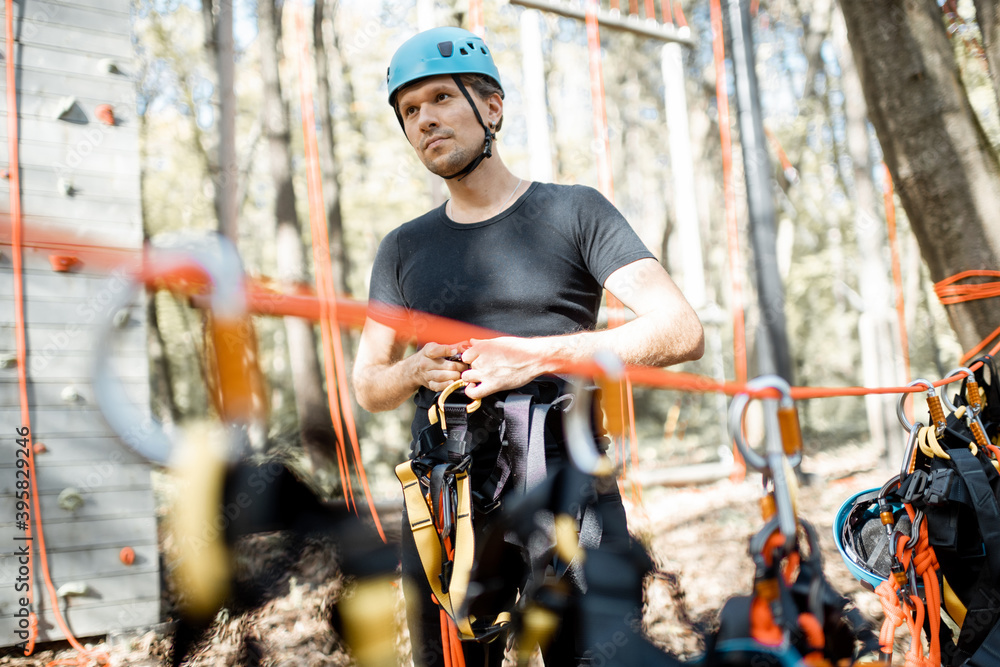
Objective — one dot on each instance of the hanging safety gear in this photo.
(793, 617)
(929, 540)
(448, 51)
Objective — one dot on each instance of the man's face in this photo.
(440, 124)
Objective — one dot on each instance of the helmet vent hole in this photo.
(463, 51)
(483, 49)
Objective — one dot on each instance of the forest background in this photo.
(828, 180)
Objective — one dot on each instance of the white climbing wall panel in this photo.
(79, 187)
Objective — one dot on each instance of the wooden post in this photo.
(536, 109)
(682, 169)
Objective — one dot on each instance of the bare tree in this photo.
(945, 171)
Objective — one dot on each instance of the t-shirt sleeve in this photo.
(606, 240)
(386, 303)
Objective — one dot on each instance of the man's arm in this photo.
(665, 331)
(384, 377)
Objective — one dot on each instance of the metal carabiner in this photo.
(973, 406)
(580, 444)
(933, 406)
(222, 267)
(783, 448)
(910, 452)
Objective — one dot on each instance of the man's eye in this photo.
(443, 96)
(410, 111)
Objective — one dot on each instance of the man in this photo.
(528, 260)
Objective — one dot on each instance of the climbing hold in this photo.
(65, 107)
(8, 360)
(121, 318)
(105, 113)
(109, 66)
(127, 555)
(64, 263)
(40, 448)
(69, 394)
(65, 186)
(73, 589)
(70, 499)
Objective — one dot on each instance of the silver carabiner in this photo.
(221, 264)
(776, 428)
(900, 412)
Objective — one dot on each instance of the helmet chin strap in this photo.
(487, 151)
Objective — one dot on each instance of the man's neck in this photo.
(482, 193)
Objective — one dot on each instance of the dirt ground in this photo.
(700, 534)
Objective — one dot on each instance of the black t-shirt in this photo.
(536, 269)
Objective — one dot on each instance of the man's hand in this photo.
(502, 363)
(434, 369)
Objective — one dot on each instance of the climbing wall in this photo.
(79, 183)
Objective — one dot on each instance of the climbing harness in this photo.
(462, 464)
(928, 541)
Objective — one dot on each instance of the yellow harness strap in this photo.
(428, 543)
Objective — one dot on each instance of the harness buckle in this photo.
(936, 492)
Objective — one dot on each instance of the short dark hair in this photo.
(484, 87)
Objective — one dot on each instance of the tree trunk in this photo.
(327, 155)
(879, 360)
(947, 178)
(988, 18)
(310, 400)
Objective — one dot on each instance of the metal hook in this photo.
(580, 437)
(784, 444)
(900, 412)
(221, 264)
(953, 372)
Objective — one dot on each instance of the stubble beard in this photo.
(452, 162)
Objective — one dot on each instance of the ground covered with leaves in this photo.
(698, 536)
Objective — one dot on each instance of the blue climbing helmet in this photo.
(445, 50)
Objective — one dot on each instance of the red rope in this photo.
(34, 537)
(605, 177)
(476, 21)
(336, 373)
(732, 228)
(897, 276)
(950, 293)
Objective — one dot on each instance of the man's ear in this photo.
(494, 110)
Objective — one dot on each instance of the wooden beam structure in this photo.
(614, 20)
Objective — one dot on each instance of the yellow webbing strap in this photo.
(428, 543)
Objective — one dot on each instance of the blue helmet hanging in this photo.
(445, 50)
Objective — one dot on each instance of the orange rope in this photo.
(679, 13)
(666, 16)
(36, 536)
(335, 367)
(605, 177)
(950, 292)
(316, 220)
(897, 274)
(476, 21)
(732, 228)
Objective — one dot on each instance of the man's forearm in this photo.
(655, 339)
(384, 387)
